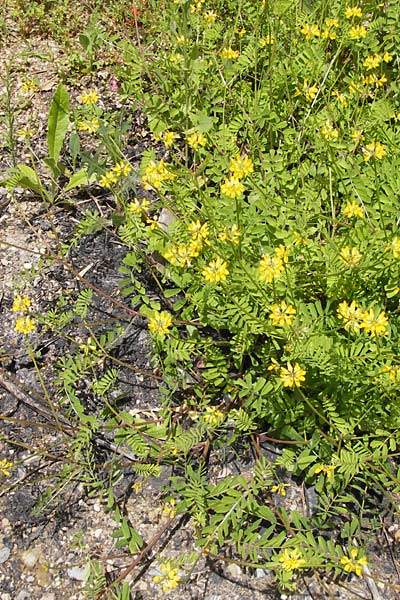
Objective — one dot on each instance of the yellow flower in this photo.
(329, 132)
(372, 61)
(282, 252)
(341, 98)
(228, 53)
(20, 303)
(309, 91)
(5, 466)
(387, 57)
(28, 86)
(25, 325)
(357, 32)
(374, 150)
(241, 166)
(270, 268)
(90, 97)
(325, 469)
(91, 126)
(138, 206)
(328, 34)
(182, 254)
(280, 489)
(291, 559)
(393, 372)
(351, 256)
(160, 323)
(310, 31)
(196, 139)
(231, 234)
(353, 11)
(375, 325)
(282, 314)
(351, 315)
(353, 209)
(155, 175)
(357, 136)
(232, 187)
(394, 246)
(215, 271)
(210, 16)
(169, 578)
(292, 376)
(198, 231)
(241, 32)
(122, 169)
(268, 40)
(26, 133)
(332, 23)
(352, 564)
(170, 508)
(168, 138)
(213, 416)
(108, 179)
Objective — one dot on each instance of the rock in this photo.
(79, 573)
(23, 595)
(4, 554)
(30, 557)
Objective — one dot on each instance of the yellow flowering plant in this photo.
(261, 240)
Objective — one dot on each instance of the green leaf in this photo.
(78, 179)
(58, 122)
(25, 177)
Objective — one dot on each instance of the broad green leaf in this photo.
(58, 122)
(78, 179)
(25, 177)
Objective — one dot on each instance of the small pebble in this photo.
(4, 554)
(79, 573)
(30, 557)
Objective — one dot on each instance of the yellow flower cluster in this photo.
(29, 86)
(351, 256)
(357, 32)
(169, 508)
(216, 271)
(352, 564)
(325, 469)
(373, 79)
(308, 91)
(111, 177)
(282, 314)
(291, 560)
(228, 53)
(232, 187)
(393, 372)
(353, 209)
(329, 132)
(138, 206)
(168, 138)
(160, 323)
(20, 303)
(23, 324)
(268, 40)
(90, 97)
(374, 150)
(210, 16)
(292, 375)
(310, 31)
(181, 254)
(394, 246)
(280, 489)
(272, 265)
(230, 234)
(155, 175)
(5, 466)
(353, 11)
(241, 166)
(169, 578)
(196, 139)
(355, 318)
(374, 60)
(213, 416)
(89, 125)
